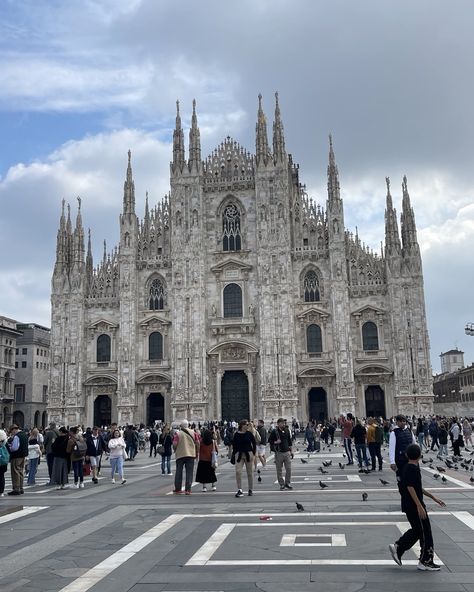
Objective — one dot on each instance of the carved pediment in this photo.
(229, 265)
(154, 321)
(368, 309)
(101, 380)
(102, 325)
(313, 313)
(233, 348)
(314, 372)
(373, 371)
(155, 377)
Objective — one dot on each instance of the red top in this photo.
(205, 451)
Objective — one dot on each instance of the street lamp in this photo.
(469, 329)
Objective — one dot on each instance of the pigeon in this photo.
(466, 450)
(259, 479)
(305, 462)
(323, 472)
(365, 496)
(456, 467)
(441, 469)
(299, 507)
(322, 485)
(384, 482)
(471, 479)
(425, 461)
(345, 455)
(436, 476)
(443, 479)
(341, 466)
(258, 471)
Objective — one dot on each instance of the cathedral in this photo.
(237, 296)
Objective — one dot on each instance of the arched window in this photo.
(370, 336)
(231, 237)
(155, 346)
(232, 301)
(156, 295)
(311, 287)
(314, 340)
(103, 348)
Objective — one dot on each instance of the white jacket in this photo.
(116, 447)
(34, 451)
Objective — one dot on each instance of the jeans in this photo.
(283, 458)
(186, 462)
(33, 466)
(310, 445)
(166, 464)
(443, 449)
(116, 465)
(421, 440)
(361, 450)
(420, 531)
(78, 468)
(375, 454)
(348, 449)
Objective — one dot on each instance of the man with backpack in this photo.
(374, 442)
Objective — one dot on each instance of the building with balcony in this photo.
(8, 338)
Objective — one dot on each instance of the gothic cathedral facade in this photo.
(237, 296)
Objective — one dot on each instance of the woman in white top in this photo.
(117, 452)
(34, 455)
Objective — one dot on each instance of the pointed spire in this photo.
(178, 143)
(105, 250)
(129, 189)
(261, 140)
(408, 225)
(279, 153)
(61, 241)
(89, 259)
(78, 238)
(334, 198)
(194, 141)
(392, 237)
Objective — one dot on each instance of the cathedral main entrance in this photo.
(102, 411)
(318, 404)
(235, 396)
(374, 401)
(155, 408)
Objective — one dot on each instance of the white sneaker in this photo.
(76, 485)
(204, 489)
(113, 480)
(214, 488)
(81, 485)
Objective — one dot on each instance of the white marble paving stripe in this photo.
(458, 482)
(403, 527)
(466, 517)
(104, 568)
(272, 524)
(21, 513)
(204, 553)
(293, 514)
(324, 491)
(360, 562)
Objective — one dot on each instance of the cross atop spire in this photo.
(261, 140)
(278, 135)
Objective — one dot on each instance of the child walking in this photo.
(412, 493)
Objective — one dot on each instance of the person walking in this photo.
(420, 433)
(434, 431)
(34, 455)
(467, 432)
(262, 446)
(309, 437)
(96, 446)
(359, 433)
(281, 443)
(443, 440)
(77, 448)
(412, 493)
(186, 448)
(347, 425)
(49, 437)
(457, 438)
(400, 438)
(61, 459)
(153, 441)
(374, 442)
(167, 442)
(117, 452)
(18, 448)
(206, 469)
(4, 460)
(244, 447)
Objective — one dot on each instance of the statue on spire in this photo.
(279, 153)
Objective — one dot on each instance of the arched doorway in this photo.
(19, 419)
(374, 401)
(318, 404)
(235, 396)
(44, 419)
(155, 408)
(102, 411)
(37, 418)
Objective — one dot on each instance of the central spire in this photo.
(178, 143)
(129, 189)
(194, 141)
(261, 140)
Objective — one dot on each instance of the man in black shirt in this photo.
(281, 444)
(411, 491)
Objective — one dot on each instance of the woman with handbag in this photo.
(206, 469)
(165, 448)
(244, 447)
(117, 455)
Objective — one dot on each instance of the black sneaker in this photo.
(239, 493)
(394, 552)
(250, 492)
(428, 566)
(288, 486)
(282, 487)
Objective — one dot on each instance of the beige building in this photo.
(238, 296)
(8, 338)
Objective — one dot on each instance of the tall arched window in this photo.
(314, 339)
(156, 295)
(155, 346)
(311, 287)
(103, 348)
(370, 336)
(231, 237)
(232, 301)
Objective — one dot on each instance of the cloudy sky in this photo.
(83, 81)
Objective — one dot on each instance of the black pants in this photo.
(152, 447)
(434, 442)
(420, 531)
(456, 448)
(3, 470)
(348, 449)
(375, 454)
(49, 461)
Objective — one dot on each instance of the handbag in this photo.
(124, 453)
(214, 457)
(160, 449)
